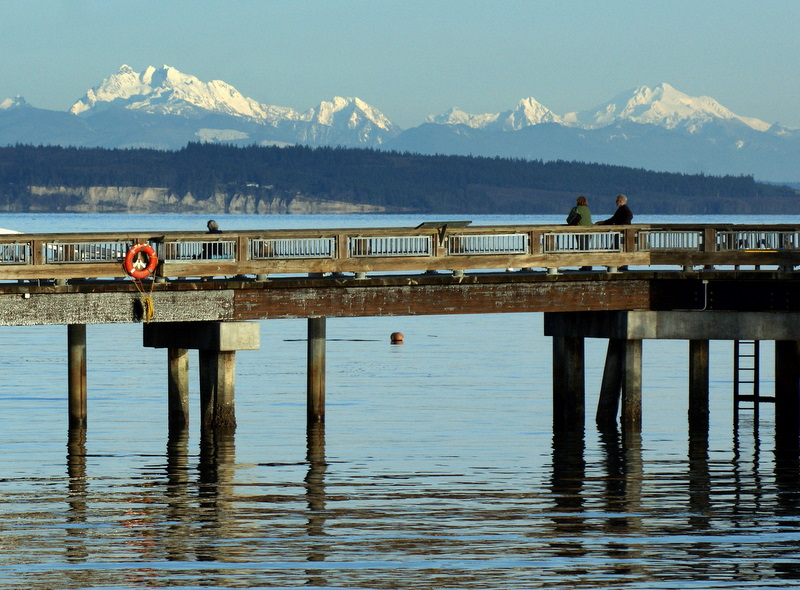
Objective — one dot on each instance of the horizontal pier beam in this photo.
(102, 305)
(213, 336)
(439, 295)
(680, 325)
(237, 299)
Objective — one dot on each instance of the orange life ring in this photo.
(135, 266)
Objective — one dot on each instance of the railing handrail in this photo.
(380, 231)
(366, 249)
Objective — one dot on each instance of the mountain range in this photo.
(657, 128)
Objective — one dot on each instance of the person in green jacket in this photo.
(580, 214)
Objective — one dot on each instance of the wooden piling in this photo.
(178, 388)
(217, 343)
(217, 376)
(569, 392)
(316, 371)
(622, 382)
(787, 394)
(698, 385)
(76, 370)
(611, 386)
(631, 415)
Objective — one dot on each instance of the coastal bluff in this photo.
(135, 199)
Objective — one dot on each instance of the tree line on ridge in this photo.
(395, 181)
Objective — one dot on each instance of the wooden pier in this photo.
(206, 292)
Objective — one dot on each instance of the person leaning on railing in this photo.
(622, 216)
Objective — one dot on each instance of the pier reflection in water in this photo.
(438, 466)
(607, 516)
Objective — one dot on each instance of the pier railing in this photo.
(444, 246)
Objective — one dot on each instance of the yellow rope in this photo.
(149, 309)
(148, 306)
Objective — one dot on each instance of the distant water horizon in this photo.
(89, 222)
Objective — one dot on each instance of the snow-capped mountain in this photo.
(167, 91)
(663, 106)
(659, 128)
(348, 116)
(13, 103)
(528, 112)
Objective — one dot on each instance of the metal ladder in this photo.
(746, 368)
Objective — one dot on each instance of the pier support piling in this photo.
(622, 382)
(698, 327)
(611, 386)
(569, 393)
(217, 378)
(76, 374)
(787, 393)
(216, 343)
(698, 385)
(631, 415)
(316, 371)
(178, 388)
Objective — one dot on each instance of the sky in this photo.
(415, 58)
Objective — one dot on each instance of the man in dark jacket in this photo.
(622, 216)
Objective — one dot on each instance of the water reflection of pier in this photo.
(597, 507)
(634, 514)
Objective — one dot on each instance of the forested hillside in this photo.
(205, 174)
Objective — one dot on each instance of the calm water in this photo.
(437, 467)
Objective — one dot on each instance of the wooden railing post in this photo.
(242, 248)
(535, 241)
(709, 239)
(342, 251)
(629, 240)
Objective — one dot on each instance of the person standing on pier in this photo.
(623, 214)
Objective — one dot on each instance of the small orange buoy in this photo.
(396, 337)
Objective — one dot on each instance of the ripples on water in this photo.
(437, 468)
